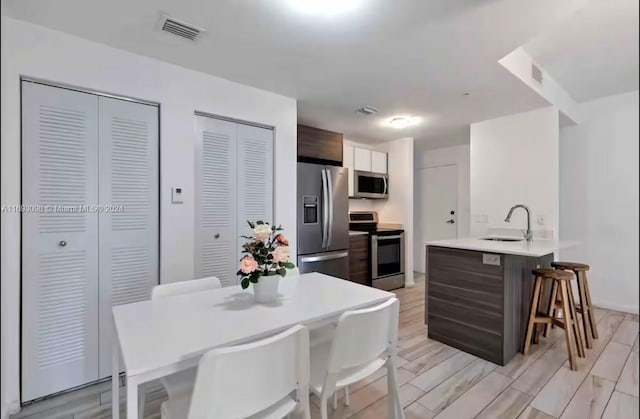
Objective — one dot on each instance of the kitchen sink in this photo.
(502, 239)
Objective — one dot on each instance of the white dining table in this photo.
(164, 336)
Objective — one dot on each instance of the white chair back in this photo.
(363, 335)
(240, 381)
(184, 287)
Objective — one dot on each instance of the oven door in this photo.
(371, 185)
(387, 255)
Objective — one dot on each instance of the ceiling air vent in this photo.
(367, 110)
(536, 73)
(180, 28)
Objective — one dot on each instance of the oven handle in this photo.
(399, 236)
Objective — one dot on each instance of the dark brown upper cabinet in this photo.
(317, 145)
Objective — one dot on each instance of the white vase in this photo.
(266, 290)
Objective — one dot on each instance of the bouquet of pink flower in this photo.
(267, 253)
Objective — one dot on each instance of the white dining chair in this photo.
(267, 379)
(365, 341)
(180, 382)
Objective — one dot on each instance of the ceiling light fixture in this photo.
(402, 121)
(326, 7)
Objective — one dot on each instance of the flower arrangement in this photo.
(267, 253)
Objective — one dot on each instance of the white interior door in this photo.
(216, 236)
(128, 185)
(255, 178)
(59, 242)
(436, 212)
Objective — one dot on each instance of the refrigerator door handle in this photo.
(330, 194)
(322, 258)
(325, 209)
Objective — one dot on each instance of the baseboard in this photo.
(616, 307)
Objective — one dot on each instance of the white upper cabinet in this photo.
(378, 162)
(362, 159)
(365, 160)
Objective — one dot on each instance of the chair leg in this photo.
(575, 325)
(304, 403)
(592, 317)
(142, 399)
(551, 310)
(585, 309)
(532, 314)
(564, 296)
(346, 396)
(394, 403)
(323, 407)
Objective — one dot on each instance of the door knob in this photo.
(62, 243)
(451, 221)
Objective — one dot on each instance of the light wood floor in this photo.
(439, 381)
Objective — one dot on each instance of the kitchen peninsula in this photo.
(478, 292)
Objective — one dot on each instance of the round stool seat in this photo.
(571, 266)
(553, 274)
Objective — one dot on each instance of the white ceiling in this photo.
(413, 57)
(595, 52)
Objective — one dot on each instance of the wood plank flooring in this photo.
(437, 381)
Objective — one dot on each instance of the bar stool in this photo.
(585, 308)
(561, 283)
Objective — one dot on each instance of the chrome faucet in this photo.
(528, 234)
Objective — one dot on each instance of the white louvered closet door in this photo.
(59, 251)
(128, 232)
(215, 200)
(255, 178)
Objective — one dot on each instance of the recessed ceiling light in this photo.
(326, 7)
(403, 121)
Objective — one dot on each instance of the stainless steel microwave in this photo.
(370, 185)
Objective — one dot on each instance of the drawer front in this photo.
(478, 300)
(464, 270)
(359, 259)
(476, 341)
(460, 312)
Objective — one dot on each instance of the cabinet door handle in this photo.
(62, 243)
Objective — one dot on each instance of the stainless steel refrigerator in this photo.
(323, 219)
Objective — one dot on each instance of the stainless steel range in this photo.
(386, 250)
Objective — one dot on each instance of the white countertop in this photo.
(536, 248)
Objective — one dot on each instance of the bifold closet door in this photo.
(128, 222)
(234, 183)
(216, 200)
(255, 177)
(59, 241)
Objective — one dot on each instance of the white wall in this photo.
(55, 56)
(599, 198)
(399, 207)
(514, 160)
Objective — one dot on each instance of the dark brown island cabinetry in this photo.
(317, 145)
(359, 259)
(479, 302)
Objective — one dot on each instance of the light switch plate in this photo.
(489, 259)
(176, 195)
